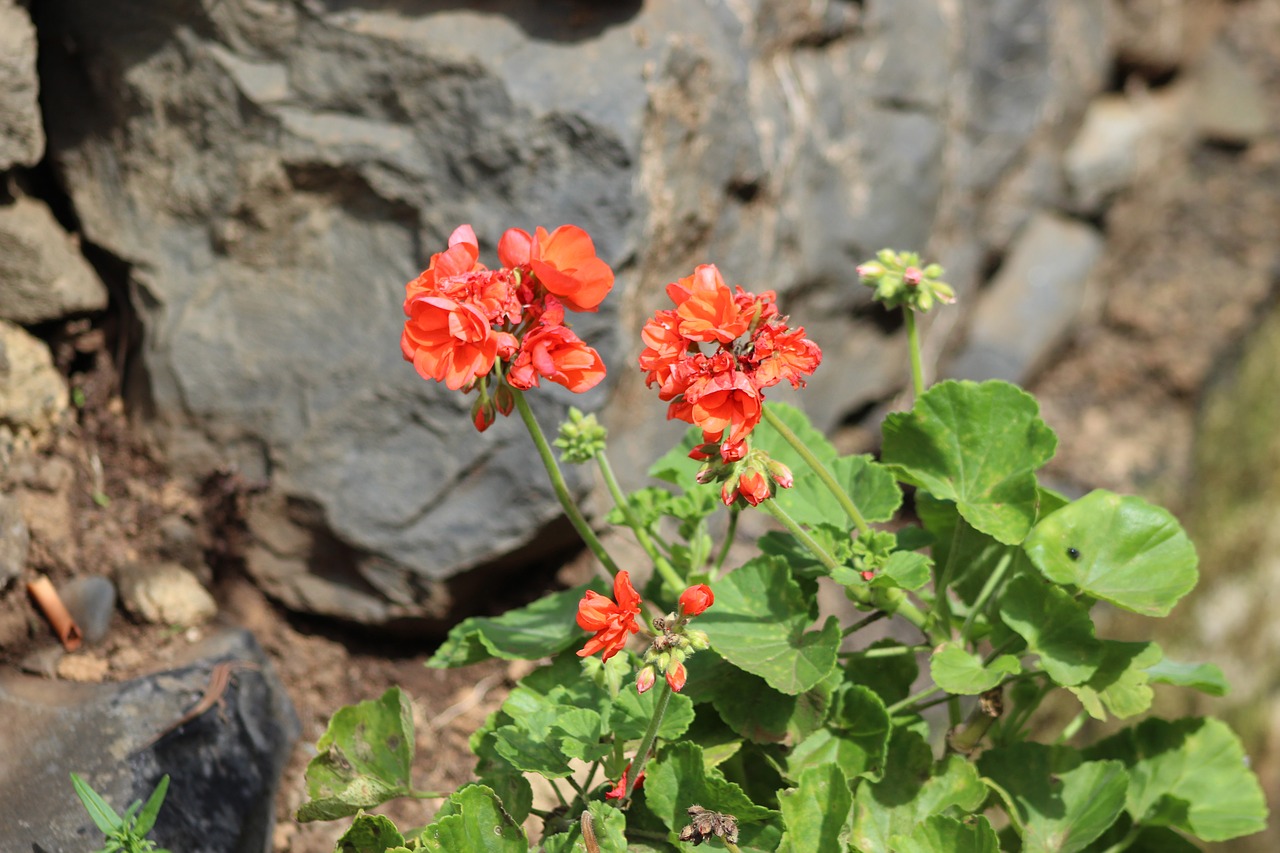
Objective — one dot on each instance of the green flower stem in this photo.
(730, 846)
(1009, 805)
(913, 699)
(664, 567)
(646, 742)
(734, 515)
(891, 651)
(1070, 729)
(561, 489)
(941, 603)
(864, 622)
(913, 344)
(1126, 842)
(841, 496)
(993, 580)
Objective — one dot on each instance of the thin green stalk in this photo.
(668, 572)
(993, 580)
(1070, 729)
(829, 480)
(1009, 805)
(942, 604)
(734, 515)
(864, 622)
(1126, 842)
(730, 846)
(646, 742)
(913, 699)
(558, 484)
(913, 344)
(892, 651)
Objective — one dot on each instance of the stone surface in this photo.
(21, 134)
(91, 601)
(15, 539)
(1032, 302)
(1229, 104)
(224, 765)
(165, 593)
(271, 173)
(43, 276)
(33, 395)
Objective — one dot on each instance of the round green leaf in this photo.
(1055, 626)
(475, 822)
(817, 812)
(1121, 683)
(1120, 549)
(758, 624)
(958, 671)
(370, 833)
(1205, 677)
(872, 487)
(978, 445)
(946, 833)
(857, 739)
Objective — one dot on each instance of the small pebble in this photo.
(83, 667)
(90, 599)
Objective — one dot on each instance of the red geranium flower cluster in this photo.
(713, 355)
(464, 318)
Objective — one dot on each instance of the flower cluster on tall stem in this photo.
(464, 319)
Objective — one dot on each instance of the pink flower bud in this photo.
(645, 679)
(676, 676)
(912, 276)
(780, 474)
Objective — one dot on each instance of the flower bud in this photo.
(696, 599)
(504, 399)
(645, 679)
(483, 413)
(580, 438)
(753, 486)
(698, 640)
(729, 491)
(870, 270)
(912, 276)
(780, 474)
(676, 676)
(732, 451)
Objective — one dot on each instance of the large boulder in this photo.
(271, 173)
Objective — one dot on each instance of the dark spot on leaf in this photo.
(393, 742)
(1073, 553)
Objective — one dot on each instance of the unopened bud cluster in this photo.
(674, 642)
(580, 438)
(900, 278)
(746, 478)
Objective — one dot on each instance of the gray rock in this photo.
(1229, 105)
(224, 765)
(311, 158)
(33, 395)
(15, 539)
(1032, 302)
(91, 601)
(43, 276)
(165, 593)
(21, 134)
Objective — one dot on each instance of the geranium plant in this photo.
(712, 705)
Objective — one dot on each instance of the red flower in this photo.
(620, 790)
(707, 309)
(558, 354)
(696, 599)
(753, 486)
(612, 620)
(448, 341)
(564, 262)
(780, 353)
(724, 402)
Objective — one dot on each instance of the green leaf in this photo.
(632, 712)
(370, 833)
(940, 833)
(889, 677)
(679, 778)
(534, 742)
(904, 570)
(1120, 549)
(475, 822)
(817, 812)
(914, 788)
(608, 825)
(765, 437)
(104, 817)
(1120, 684)
(364, 758)
(978, 445)
(769, 716)
(1190, 774)
(856, 739)
(958, 671)
(1055, 626)
(147, 817)
(872, 487)
(542, 629)
(758, 624)
(1063, 804)
(1204, 677)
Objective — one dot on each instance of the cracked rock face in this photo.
(273, 172)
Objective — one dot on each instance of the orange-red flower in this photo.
(696, 599)
(556, 353)
(677, 676)
(724, 402)
(448, 341)
(707, 308)
(564, 262)
(753, 486)
(620, 790)
(780, 353)
(613, 620)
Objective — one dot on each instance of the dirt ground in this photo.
(1192, 261)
